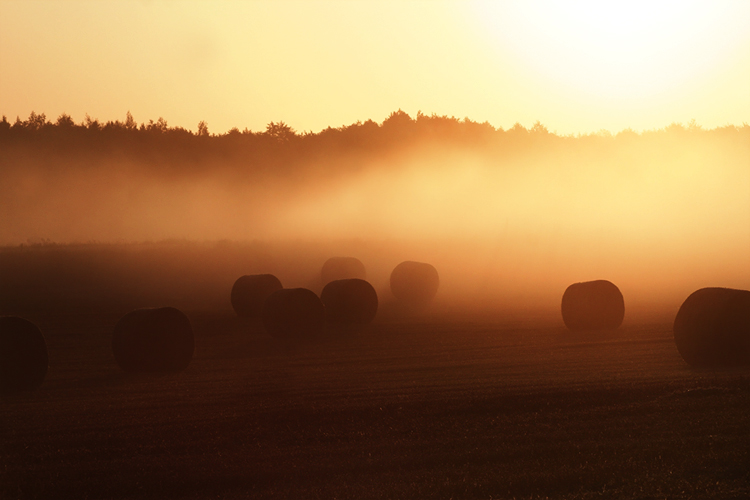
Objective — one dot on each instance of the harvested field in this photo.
(429, 407)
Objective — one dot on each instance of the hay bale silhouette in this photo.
(23, 355)
(341, 268)
(712, 328)
(293, 313)
(250, 292)
(153, 340)
(414, 283)
(350, 301)
(593, 305)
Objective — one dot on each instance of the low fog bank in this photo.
(658, 215)
(478, 282)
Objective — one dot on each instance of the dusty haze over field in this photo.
(536, 198)
(659, 214)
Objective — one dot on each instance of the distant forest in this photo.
(280, 149)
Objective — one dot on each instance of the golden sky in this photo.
(575, 66)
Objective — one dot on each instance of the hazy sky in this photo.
(575, 66)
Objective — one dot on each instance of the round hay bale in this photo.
(153, 340)
(293, 313)
(250, 292)
(341, 268)
(712, 328)
(593, 305)
(23, 355)
(414, 283)
(350, 301)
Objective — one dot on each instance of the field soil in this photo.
(422, 407)
(440, 404)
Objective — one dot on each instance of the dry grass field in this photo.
(410, 409)
(431, 406)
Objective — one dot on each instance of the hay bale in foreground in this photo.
(293, 313)
(712, 328)
(23, 355)
(250, 292)
(341, 268)
(414, 283)
(350, 301)
(153, 340)
(593, 305)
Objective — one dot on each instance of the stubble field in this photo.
(436, 405)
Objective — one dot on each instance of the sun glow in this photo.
(616, 50)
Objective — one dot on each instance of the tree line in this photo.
(279, 147)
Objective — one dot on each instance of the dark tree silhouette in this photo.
(129, 122)
(65, 121)
(36, 122)
(279, 151)
(202, 129)
(280, 131)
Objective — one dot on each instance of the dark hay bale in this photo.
(293, 313)
(414, 283)
(593, 305)
(712, 328)
(250, 292)
(350, 301)
(23, 355)
(153, 340)
(341, 268)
